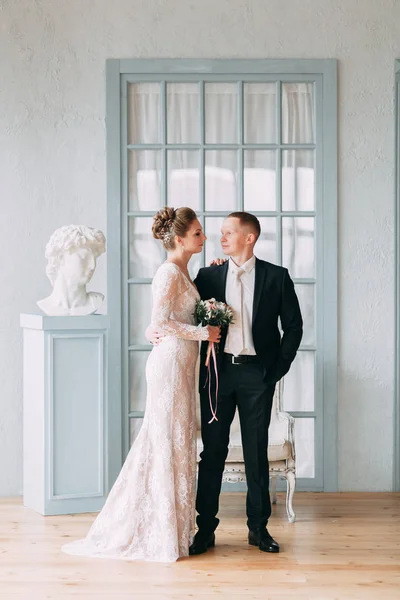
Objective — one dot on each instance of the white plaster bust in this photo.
(71, 253)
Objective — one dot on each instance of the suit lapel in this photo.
(223, 274)
(258, 285)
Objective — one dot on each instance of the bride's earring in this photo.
(182, 248)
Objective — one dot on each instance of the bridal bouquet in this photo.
(212, 312)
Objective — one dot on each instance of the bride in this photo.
(149, 513)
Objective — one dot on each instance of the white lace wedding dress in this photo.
(150, 511)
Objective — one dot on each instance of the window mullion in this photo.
(241, 151)
(202, 162)
(163, 136)
(278, 178)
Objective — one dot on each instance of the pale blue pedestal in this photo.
(65, 425)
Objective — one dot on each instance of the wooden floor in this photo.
(342, 546)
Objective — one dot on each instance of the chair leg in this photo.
(291, 484)
(273, 489)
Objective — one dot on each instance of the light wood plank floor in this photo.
(342, 546)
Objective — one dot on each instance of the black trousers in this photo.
(242, 386)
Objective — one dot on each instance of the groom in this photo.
(252, 358)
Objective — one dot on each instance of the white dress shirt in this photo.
(240, 296)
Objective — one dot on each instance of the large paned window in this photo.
(219, 137)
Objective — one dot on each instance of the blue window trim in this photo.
(325, 71)
(396, 399)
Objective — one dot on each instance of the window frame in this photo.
(396, 396)
(324, 73)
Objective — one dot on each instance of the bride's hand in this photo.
(153, 336)
(218, 261)
(214, 333)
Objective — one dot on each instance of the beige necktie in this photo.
(237, 342)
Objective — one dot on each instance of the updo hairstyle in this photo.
(170, 222)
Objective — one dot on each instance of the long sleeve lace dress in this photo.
(150, 511)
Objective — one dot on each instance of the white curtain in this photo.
(222, 127)
(221, 178)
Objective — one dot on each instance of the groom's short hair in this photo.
(246, 218)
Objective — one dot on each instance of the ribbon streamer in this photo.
(211, 351)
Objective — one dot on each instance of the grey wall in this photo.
(52, 169)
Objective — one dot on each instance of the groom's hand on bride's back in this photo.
(153, 336)
(218, 261)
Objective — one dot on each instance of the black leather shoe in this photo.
(201, 543)
(263, 540)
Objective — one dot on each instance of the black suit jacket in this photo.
(274, 297)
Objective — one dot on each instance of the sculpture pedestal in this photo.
(64, 413)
